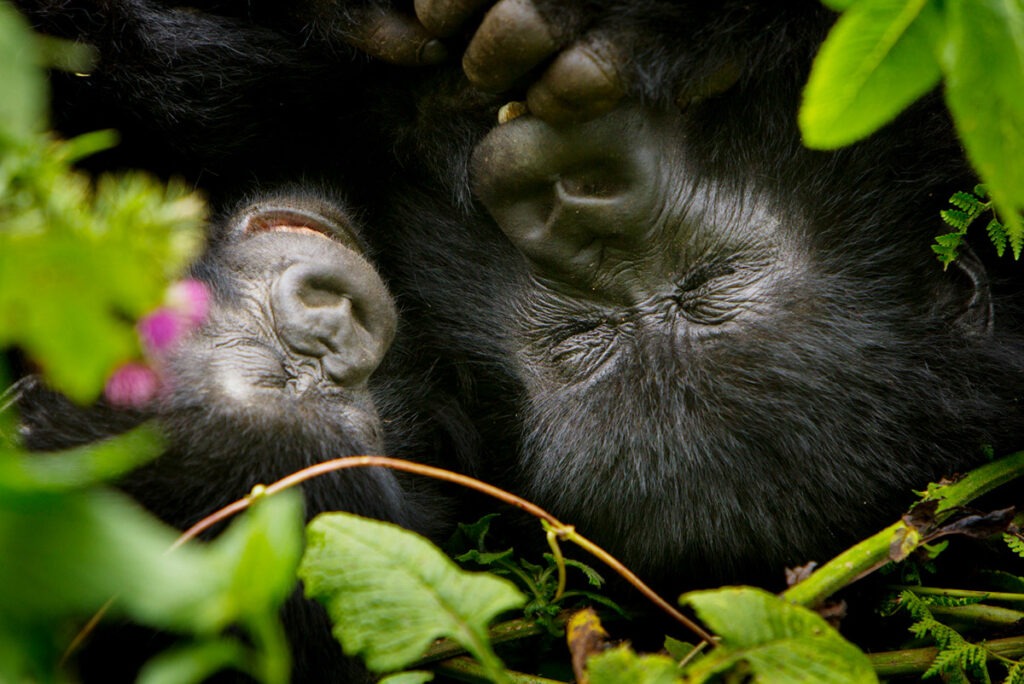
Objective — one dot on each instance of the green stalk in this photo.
(899, 539)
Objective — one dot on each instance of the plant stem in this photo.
(901, 538)
(960, 593)
(500, 633)
(561, 530)
(910, 661)
(466, 669)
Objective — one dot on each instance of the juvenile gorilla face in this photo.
(718, 376)
(276, 378)
(299, 321)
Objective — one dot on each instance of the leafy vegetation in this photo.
(884, 54)
(967, 207)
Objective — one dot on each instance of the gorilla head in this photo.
(275, 379)
(278, 377)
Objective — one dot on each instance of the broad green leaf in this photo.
(80, 467)
(257, 557)
(984, 67)
(27, 654)
(778, 641)
(622, 666)
(879, 57)
(65, 556)
(391, 593)
(838, 5)
(193, 663)
(76, 552)
(24, 102)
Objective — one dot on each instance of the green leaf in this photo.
(193, 663)
(391, 593)
(621, 665)
(80, 467)
(984, 66)
(75, 552)
(413, 677)
(77, 267)
(256, 559)
(24, 103)
(778, 641)
(678, 650)
(879, 57)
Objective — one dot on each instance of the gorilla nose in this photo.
(336, 311)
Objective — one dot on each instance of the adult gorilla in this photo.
(717, 352)
(713, 350)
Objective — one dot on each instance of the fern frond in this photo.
(957, 657)
(966, 201)
(955, 601)
(946, 662)
(973, 660)
(969, 207)
(1015, 543)
(950, 240)
(956, 218)
(947, 247)
(997, 234)
(1014, 674)
(1016, 239)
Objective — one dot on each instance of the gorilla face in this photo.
(717, 376)
(275, 379)
(299, 322)
(278, 377)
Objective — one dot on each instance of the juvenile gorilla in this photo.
(277, 378)
(713, 350)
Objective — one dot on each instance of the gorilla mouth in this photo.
(269, 219)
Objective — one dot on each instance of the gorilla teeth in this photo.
(510, 111)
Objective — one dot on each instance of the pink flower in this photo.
(186, 306)
(132, 385)
(190, 298)
(160, 329)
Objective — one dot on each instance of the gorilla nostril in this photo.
(321, 291)
(334, 310)
(313, 307)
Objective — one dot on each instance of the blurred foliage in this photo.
(80, 261)
(882, 55)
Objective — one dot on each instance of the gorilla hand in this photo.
(580, 76)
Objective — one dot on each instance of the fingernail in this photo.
(432, 52)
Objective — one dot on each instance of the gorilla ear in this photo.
(977, 315)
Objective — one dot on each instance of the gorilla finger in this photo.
(582, 83)
(512, 39)
(395, 38)
(444, 17)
